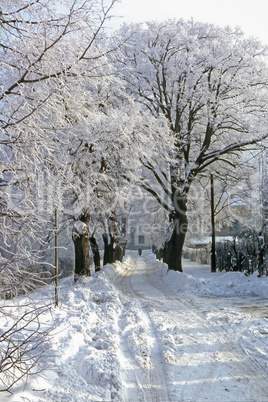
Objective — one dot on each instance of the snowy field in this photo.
(134, 332)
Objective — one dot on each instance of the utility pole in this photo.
(56, 260)
(213, 240)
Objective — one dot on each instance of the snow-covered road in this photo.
(137, 333)
(143, 367)
(189, 350)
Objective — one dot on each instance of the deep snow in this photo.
(135, 332)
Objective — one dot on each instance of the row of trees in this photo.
(210, 85)
(87, 115)
(53, 69)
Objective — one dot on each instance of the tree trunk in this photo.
(108, 257)
(80, 236)
(174, 247)
(112, 251)
(124, 235)
(96, 253)
(119, 253)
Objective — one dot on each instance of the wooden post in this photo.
(213, 240)
(56, 260)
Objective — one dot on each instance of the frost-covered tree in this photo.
(44, 47)
(210, 84)
(110, 139)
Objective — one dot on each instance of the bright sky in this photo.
(250, 15)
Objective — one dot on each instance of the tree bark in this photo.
(119, 253)
(124, 234)
(96, 253)
(108, 257)
(175, 244)
(112, 251)
(174, 247)
(80, 236)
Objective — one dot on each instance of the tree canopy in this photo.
(210, 84)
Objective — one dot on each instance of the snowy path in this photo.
(180, 348)
(143, 367)
(135, 333)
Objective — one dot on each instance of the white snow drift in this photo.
(135, 332)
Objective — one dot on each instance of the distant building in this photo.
(137, 237)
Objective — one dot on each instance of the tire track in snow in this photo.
(143, 360)
(207, 349)
(231, 360)
(196, 345)
(222, 358)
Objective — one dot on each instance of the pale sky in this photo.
(250, 15)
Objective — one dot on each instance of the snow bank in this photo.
(198, 280)
(81, 362)
(96, 323)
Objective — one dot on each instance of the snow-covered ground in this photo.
(135, 332)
